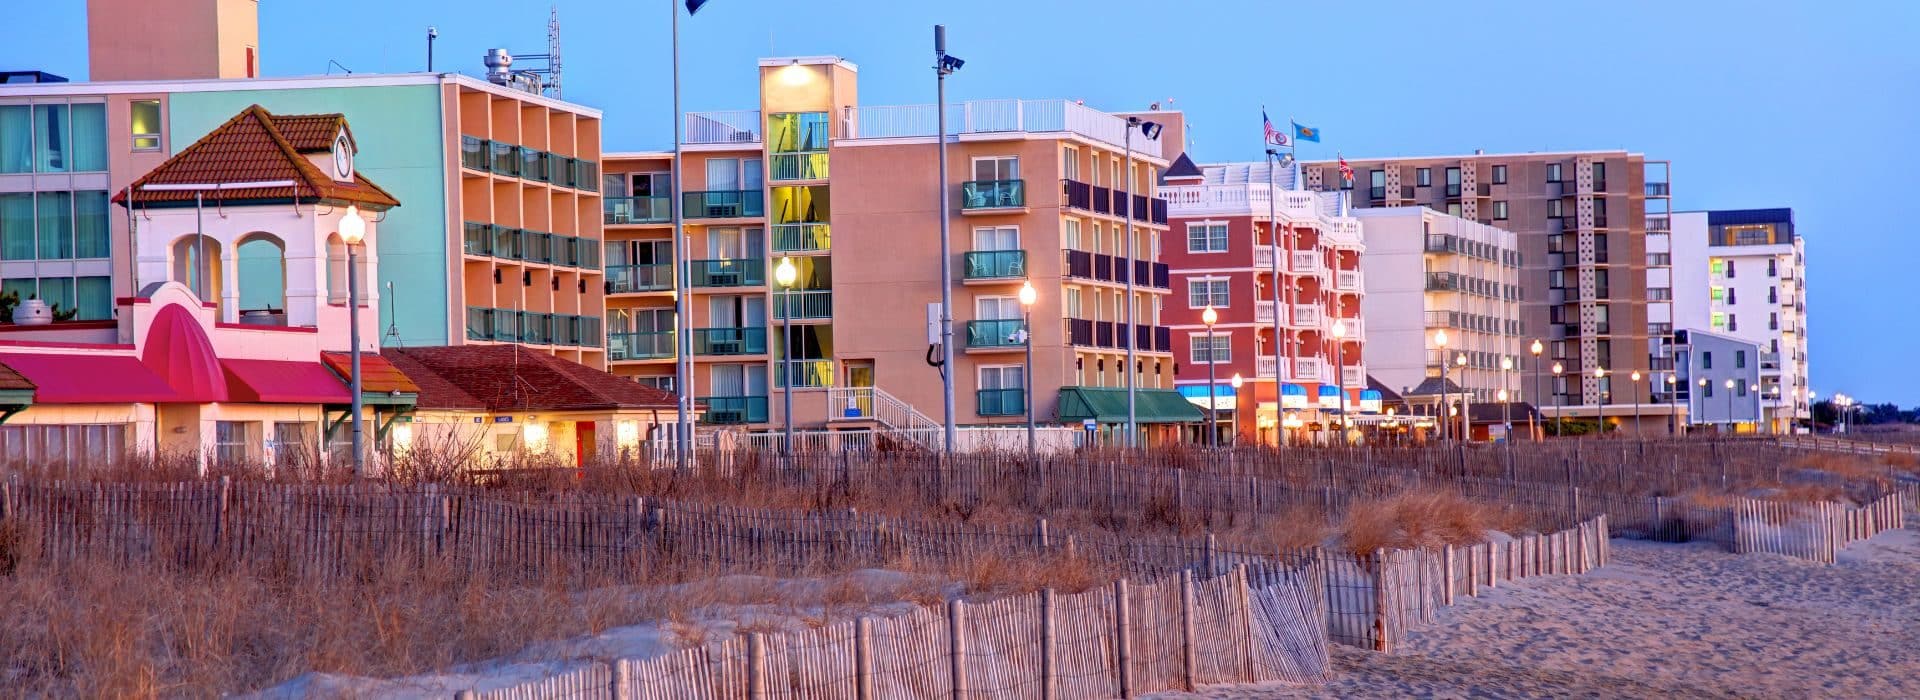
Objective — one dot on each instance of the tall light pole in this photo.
(1673, 418)
(1700, 397)
(1027, 297)
(682, 266)
(1466, 421)
(1152, 132)
(353, 231)
(1339, 332)
(1273, 244)
(1636, 404)
(1559, 420)
(944, 65)
(1439, 341)
(1236, 381)
(1730, 421)
(1536, 349)
(1599, 402)
(1506, 409)
(1506, 415)
(1210, 317)
(785, 275)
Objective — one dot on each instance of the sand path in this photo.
(1664, 620)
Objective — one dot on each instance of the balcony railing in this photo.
(533, 328)
(807, 374)
(729, 341)
(723, 204)
(801, 238)
(1306, 315)
(1348, 280)
(739, 126)
(1001, 402)
(994, 117)
(995, 264)
(648, 345)
(731, 410)
(1307, 263)
(993, 194)
(629, 279)
(1659, 224)
(739, 272)
(798, 166)
(1658, 189)
(803, 304)
(637, 210)
(994, 333)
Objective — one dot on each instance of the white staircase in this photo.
(895, 418)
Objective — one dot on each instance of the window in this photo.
(1730, 300)
(1377, 184)
(1001, 390)
(236, 442)
(1207, 291)
(1599, 211)
(1553, 172)
(1070, 163)
(1733, 322)
(996, 238)
(146, 125)
(1500, 211)
(1556, 209)
(1739, 359)
(997, 308)
(1203, 351)
(1706, 360)
(1773, 267)
(1729, 269)
(1207, 238)
(662, 382)
(1453, 209)
(1453, 182)
(1600, 177)
(1424, 177)
(1557, 279)
(1773, 320)
(1070, 234)
(93, 445)
(1600, 286)
(1499, 174)
(1740, 388)
(996, 168)
(1709, 390)
(1073, 303)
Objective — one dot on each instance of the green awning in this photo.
(1109, 405)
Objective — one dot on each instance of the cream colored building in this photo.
(1430, 273)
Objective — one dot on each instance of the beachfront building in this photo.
(1592, 232)
(1742, 273)
(848, 194)
(1718, 381)
(499, 242)
(1430, 276)
(1226, 219)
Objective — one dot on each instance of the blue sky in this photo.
(1804, 104)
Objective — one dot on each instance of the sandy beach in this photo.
(1664, 620)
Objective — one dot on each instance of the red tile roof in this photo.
(514, 378)
(257, 146)
(377, 375)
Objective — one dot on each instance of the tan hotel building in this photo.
(848, 192)
(1594, 237)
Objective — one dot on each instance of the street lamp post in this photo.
(1506, 409)
(944, 65)
(1701, 398)
(1466, 421)
(1210, 317)
(1673, 417)
(1340, 373)
(1536, 349)
(1636, 405)
(1439, 341)
(353, 231)
(785, 275)
(1236, 381)
(1730, 421)
(1027, 297)
(1501, 395)
(1599, 402)
(1559, 420)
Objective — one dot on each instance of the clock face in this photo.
(342, 158)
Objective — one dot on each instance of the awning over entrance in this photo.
(1109, 405)
(60, 379)
(282, 381)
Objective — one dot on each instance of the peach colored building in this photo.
(173, 39)
(849, 193)
(1226, 218)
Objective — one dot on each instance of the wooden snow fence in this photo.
(1815, 531)
(1249, 625)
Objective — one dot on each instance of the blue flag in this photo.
(694, 5)
(1306, 133)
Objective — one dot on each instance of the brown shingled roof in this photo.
(254, 146)
(11, 380)
(377, 375)
(514, 378)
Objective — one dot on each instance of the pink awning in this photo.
(90, 379)
(283, 381)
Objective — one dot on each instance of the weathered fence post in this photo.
(1189, 662)
(1047, 691)
(1123, 642)
(756, 666)
(862, 659)
(621, 673)
(1210, 547)
(1380, 600)
(1180, 497)
(1446, 571)
(1044, 537)
(957, 645)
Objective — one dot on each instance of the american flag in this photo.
(1274, 136)
(1346, 171)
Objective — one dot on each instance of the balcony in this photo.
(1353, 376)
(1078, 263)
(1307, 369)
(1263, 312)
(735, 127)
(1001, 402)
(729, 341)
(1263, 257)
(1658, 189)
(1002, 117)
(634, 279)
(1659, 224)
(1102, 200)
(995, 334)
(989, 265)
(808, 374)
(637, 210)
(802, 238)
(803, 304)
(731, 410)
(985, 195)
(651, 345)
(1306, 316)
(740, 272)
(723, 204)
(1348, 281)
(1080, 331)
(806, 165)
(1305, 263)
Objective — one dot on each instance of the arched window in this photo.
(196, 264)
(262, 269)
(336, 270)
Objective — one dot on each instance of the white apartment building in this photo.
(1742, 274)
(1429, 272)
